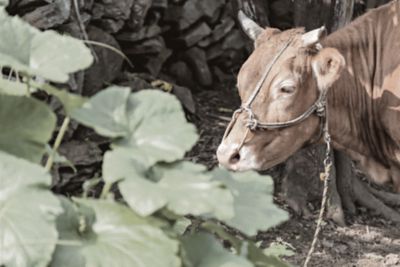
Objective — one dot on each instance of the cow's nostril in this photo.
(235, 158)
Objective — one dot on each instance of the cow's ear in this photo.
(327, 66)
(250, 27)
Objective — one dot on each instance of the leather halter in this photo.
(319, 107)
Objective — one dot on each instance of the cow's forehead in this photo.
(261, 59)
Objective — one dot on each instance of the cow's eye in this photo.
(287, 89)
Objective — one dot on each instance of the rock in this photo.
(151, 46)
(181, 71)
(50, 15)
(230, 47)
(85, 4)
(220, 75)
(81, 153)
(214, 51)
(193, 10)
(185, 97)
(144, 33)
(71, 29)
(160, 4)
(139, 12)
(112, 9)
(109, 63)
(197, 60)
(195, 34)
(155, 63)
(234, 40)
(110, 25)
(173, 14)
(135, 82)
(219, 32)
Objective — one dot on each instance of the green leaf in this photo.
(12, 87)
(202, 250)
(73, 235)
(258, 257)
(117, 232)
(150, 123)
(106, 112)
(27, 214)
(35, 53)
(27, 125)
(278, 250)
(253, 201)
(158, 127)
(70, 101)
(183, 188)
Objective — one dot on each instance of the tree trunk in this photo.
(255, 9)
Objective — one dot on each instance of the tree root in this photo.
(346, 189)
(335, 208)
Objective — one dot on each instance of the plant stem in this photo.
(106, 190)
(28, 85)
(57, 143)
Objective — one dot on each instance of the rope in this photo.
(325, 176)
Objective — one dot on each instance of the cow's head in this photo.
(292, 86)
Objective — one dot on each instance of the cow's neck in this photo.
(353, 101)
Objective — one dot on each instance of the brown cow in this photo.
(358, 67)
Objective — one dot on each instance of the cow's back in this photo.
(371, 48)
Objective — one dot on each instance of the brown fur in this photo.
(363, 98)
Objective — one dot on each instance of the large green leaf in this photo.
(117, 237)
(253, 201)
(70, 101)
(12, 87)
(26, 126)
(150, 123)
(106, 112)
(158, 127)
(260, 259)
(73, 229)
(45, 54)
(203, 250)
(183, 188)
(27, 214)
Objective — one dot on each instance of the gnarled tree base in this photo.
(301, 185)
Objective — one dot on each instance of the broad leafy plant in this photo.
(149, 136)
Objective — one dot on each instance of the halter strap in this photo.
(319, 106)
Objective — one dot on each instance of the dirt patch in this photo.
(368, 241)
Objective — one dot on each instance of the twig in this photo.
(83, 30)
(222, 118)
(57, 143)
(106, 189)
(90, 42)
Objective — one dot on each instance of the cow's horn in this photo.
(313, 37)
(251, 28)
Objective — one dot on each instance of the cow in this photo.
(354, 73)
